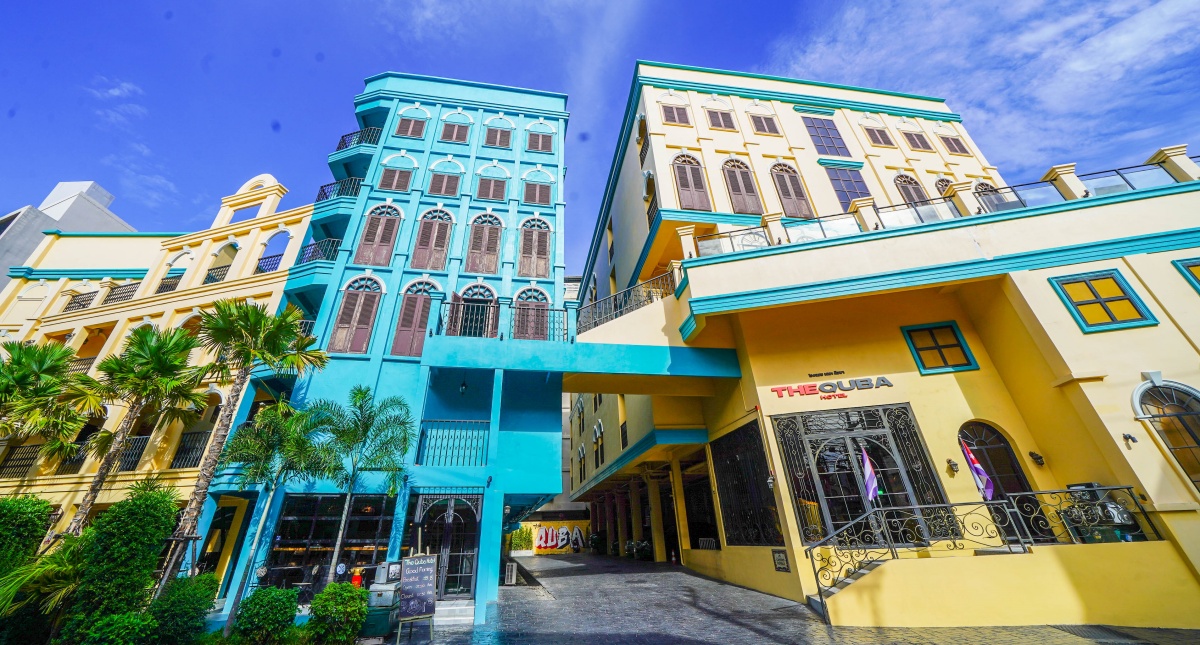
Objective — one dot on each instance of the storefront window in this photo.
(302, 549)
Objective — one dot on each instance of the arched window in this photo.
(272, 254)
(1008, 482)
(531, 316)
(483, 250)
(474, 313)
(220, 266)
(379, 236)
(791, 192)
(910, 189)
(941, 185)
(433, 238)
(356, 318)
(740, 182)
(1174, 411)
(534, 260)
(412, 323)
(982, 187)
(689, 179)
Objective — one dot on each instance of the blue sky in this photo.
(172, 105)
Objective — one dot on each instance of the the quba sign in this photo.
(832, 389)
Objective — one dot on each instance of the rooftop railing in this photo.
(80, 301)
(932, 210)
(168, 284)
(121, 293)
(822, 228)
(1123, 180)
(745, 239)
(1007, 198)
(268, 263)
(367, 136)
(342, 188)
(623, 302)
(453, 443)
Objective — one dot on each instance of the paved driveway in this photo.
(588, 599)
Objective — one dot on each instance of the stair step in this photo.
(454, 612)
(814, 603)
(440, 621)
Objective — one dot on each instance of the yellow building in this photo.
(90, 290)
(896, 311)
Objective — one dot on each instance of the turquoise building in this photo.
(434, 271)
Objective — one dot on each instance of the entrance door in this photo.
(1008, 480)
(451, 531)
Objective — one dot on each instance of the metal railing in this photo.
(168, 285)
(367, 136)
(73, 465)
(823, 228)
(652, 210)
(470, 319)
(121, 293)
(306, 327)
(325, 249)
(1084, 515)
(342, 188)
(80, 301)
(931, 210)
(643, 148)
(1007, 198)
(18, 462)
(80, 365)
(623, 302)
(216, 274)
(134, 447)
(190, 450)
(743, 239)
(268, 263)
(1123, 180)
(449, 443)
(536, 323)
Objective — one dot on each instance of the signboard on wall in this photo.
(561, 536)
(418, 587)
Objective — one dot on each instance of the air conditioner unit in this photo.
(510, 573)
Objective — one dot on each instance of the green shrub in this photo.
(23, 522)
(133, 628)
(265, 615)
(338, 613)
(522, 539)
(180, 609)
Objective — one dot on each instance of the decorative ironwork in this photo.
(319, 250)
(1085, 514)
(216, 274)
(623, 302)
(306, 327)
(364, 284)
(747, 502)
(134, 447)
(535, 223)
(268, 263)
(439, 215)
(453, 443)
(744, 239)
(18, 461)
(1175, 414)
(643, 148)
(168, 284)
(652, 210)
(421, 287)
(531, 294)
(427, 498)
(366, 136)
(121, 293)
(343, 188)
(190, 450)
(487, 219)
(941, 185)
(80, 365)
(701, 517)
(533, 322)
(80, 301)
(385, 210)
(479, 291)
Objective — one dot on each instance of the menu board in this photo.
(418, 587)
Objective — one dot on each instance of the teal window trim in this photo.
(962, 342)
(840, 163)
(808, 109)
(1183, 266)
(1148, 319)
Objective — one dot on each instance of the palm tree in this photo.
(155, 380)
(49, 580)
(370, 435)
(244, 337)
(40, 396)
(279, 447)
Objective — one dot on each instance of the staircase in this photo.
(454, 613)
(814, 601)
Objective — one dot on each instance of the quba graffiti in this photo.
(560, 537)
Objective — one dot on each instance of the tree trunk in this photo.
(208, 470)
(106, 465)
(337, 546)
(237, 597)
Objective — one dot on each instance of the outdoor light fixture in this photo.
(462, 389)
(952, 464)
(1128, 437)
(1037, 459)
(771, 482)
(507, 510)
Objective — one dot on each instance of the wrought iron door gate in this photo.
(450, 528)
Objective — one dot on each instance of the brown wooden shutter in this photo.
(410, 128)
(683, 181)
(772, 126)
(757, 123)
(491, 248)
(454, 317)
(365, 252)
(699, 193)
(447, 132)
(504, 139)
(386, 242)
(541, 251)
(498, 186)
(339, 341)
(423, 251)
(714, 119)
(750, 194)
(441, 241)
(452, 185)
(411, 325)
(530, 320)
(791, 193)
(395, 179)
(526, 262)
(364, 321)
(912, 194)
(437, 184)
(475, 249)
(491, 137)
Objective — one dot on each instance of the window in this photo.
(764, 124)
(624, 435)
(395, 179)
(954, 144)
(307, 530)
(597, 448)
(720, 120)
(352, 328)
(536, 193)
(848, 185)
(741, 471)
(676, 114)
(917, 141)
(414, 128)
(379, 236)
(791, 192)
(534, 260)
(455, 132)
(1102, 300)
(483, 251)
(414, 316)
(540, 142)
(939, 348)
(941, 185)
(879, 136)
(433, 238)
(740, 183)
(910, 189)
(474, 314)
(531, 315)
(18, 461)
(497, 138)
(1190, 270)
(443, 184)
(491, 188)
(1174, 411)
(825, 137)
(689, 179)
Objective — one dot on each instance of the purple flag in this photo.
(982, 481)
(869, 480)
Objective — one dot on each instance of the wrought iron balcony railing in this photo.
(623, 302)
(1123, 180)
(18, 461)
(342, 188)
(190, 450)
(168, 285)
(1084, 515)
(80, 365)
(931, 210)
(121, 293)
(325, 249)
(306, 327)
(134, 447)
(451, 443)
(755, 237)
(643, 148)
(80, 301)
(471, 319)
(367, 136)
(535, 323)
(822, 228)
(652, 210)
(268, 263)
(216, 274)
(74, 464)
(1006, 198)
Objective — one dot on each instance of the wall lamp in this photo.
(952, 464)
(1129, 438)
(771, 482)
(462, 389)
(1037, 459)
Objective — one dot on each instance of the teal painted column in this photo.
(572, 307)
(492, 515)
(506, 316)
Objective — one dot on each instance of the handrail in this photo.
(347, 187)
(623, 302)
(121, 293)
(367, 136)
(168, 284)
(319, 250)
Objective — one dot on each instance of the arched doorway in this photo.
(1008, 479)
(448, 527)
(1174, 411)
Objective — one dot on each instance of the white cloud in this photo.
(106, 88)
(1037, 83)
(121, 114)
(140, 179)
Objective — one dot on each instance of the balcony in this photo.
(342, 188)
(643, 148)
(469, 319)
(168, 285)
(190, 450)
(318, 251)
(216, 274)
(268, 263)
(823, 228)
(18, 461)
(1038, 193)
(72, 466)
(1123, 180)
(366, 136)
(121, 293)
(134, 447)
(623, 302)
(80, 365)
(80, 301)
(306, 327)
(453, 443)
(932, 210)
(536, 323)
(745, 239)
(652, 211)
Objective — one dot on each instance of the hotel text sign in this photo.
(832, 389)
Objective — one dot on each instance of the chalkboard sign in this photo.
(418, 587)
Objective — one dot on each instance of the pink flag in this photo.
(982, 481)
(871, 483)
